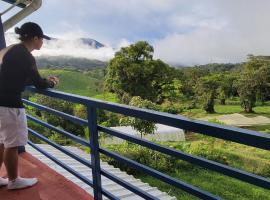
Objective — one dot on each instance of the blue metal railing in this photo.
(238, 135)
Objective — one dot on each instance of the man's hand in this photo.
(54, 79)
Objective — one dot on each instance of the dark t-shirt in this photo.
(18, 70)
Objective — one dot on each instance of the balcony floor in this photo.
(51, 185)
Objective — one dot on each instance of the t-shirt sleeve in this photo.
(34, 77)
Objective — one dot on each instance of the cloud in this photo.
(68, 45)
(74, 48)
(224, 32)
(182, 31)
(123, 43)
(201, 47)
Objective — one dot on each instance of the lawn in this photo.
(220, 185)
(76, 82)
(263, 110)
(236, 155)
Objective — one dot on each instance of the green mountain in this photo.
(68, 62)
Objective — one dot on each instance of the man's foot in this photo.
(3, 181)
(20, 183)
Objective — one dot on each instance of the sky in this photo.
(182, 32)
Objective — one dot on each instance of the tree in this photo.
(247, 92)
(142, 126)
(190, 78)
(206, 89)
(172, 91)
(263, 84)
(253, 82)
(225, 88)
(134, 72)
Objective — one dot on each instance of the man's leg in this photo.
(1, 154)
(11, 162)
(2, 180)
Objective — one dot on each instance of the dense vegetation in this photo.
(68, 62)
(134, 72)
(133, 77)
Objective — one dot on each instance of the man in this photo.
(18, 69)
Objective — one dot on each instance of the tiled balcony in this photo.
(51, 185)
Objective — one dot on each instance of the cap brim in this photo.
(46, 37)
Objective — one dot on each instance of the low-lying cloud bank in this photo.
(69, 47)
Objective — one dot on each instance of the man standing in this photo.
(18, 69)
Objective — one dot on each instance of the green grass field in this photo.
(76, 82)
(229, 109)
(217, 184)
(229, 153)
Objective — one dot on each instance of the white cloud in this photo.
(182, 31)
(123, 43)
(74, 48)
(68, 45)
(201, 47)
(226, 31)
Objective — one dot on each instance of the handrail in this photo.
(239, 135)
(215, 166)
(242, 136)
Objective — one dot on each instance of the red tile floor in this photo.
(51, 185)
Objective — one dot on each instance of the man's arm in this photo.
(35, 79)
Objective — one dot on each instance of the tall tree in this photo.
(134, 72)
(190, 78)
(206, 90)
(225, 88)
(253, 82)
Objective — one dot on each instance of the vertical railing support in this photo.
(2, 35)
(95, 160)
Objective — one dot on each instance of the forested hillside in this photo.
(68, 62)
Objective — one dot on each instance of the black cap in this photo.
(31, 29)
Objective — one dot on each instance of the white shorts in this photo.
(13, 127)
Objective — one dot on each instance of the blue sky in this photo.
(182, 31)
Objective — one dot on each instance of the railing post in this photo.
(2, 35)
(95, 160)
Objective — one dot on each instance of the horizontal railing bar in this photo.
(63, 132)
(128, 186)
(79, 159)
(58, 113)
(60, 148)
(88, 164)
(242, 136)
(66, 167)
(60, 95)
(163, 177)
(218, 167)
(109, 195)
